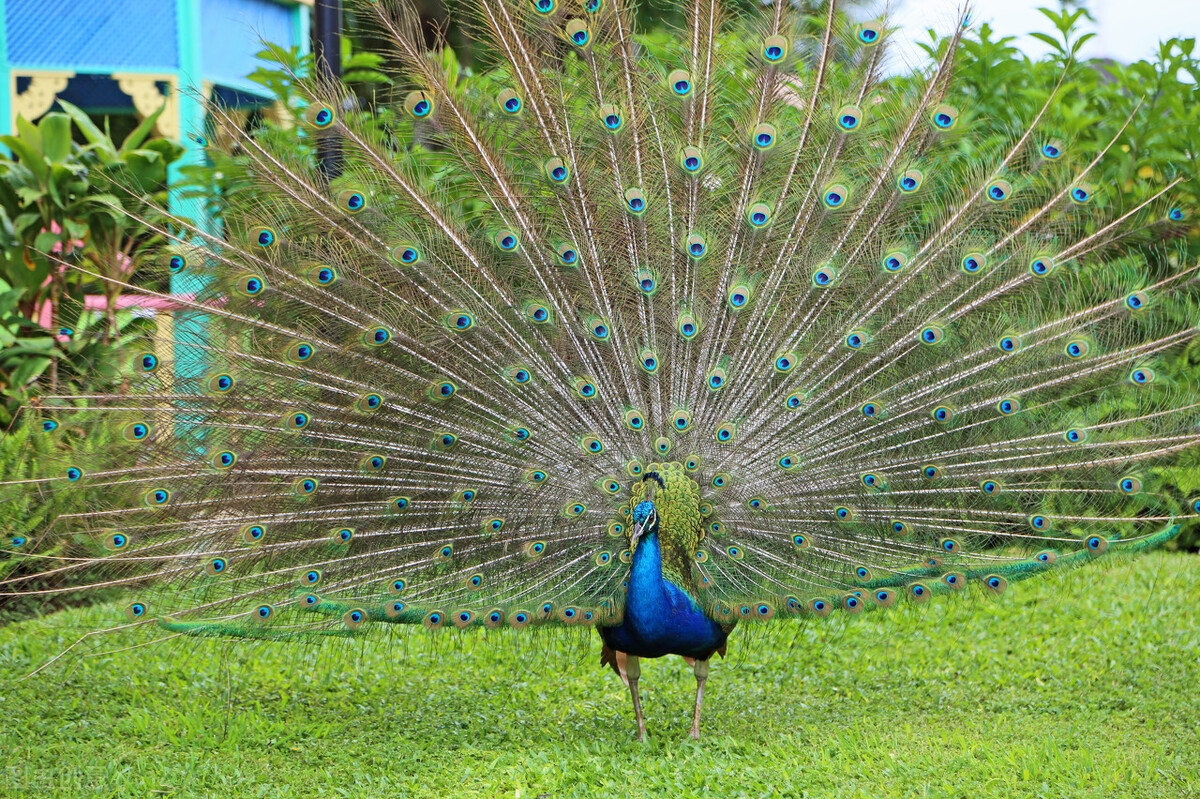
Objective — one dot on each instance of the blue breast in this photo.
(660, 617)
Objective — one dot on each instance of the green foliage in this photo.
(1148, 111)
(1082, 689)
(62, 203)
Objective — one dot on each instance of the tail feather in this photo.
(425, 392)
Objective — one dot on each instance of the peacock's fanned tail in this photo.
(422, 392)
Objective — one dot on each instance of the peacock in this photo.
(657, 336)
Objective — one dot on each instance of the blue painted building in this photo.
(114, 56)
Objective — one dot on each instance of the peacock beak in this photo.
(637, 533)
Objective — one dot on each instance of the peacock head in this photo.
(645, 522)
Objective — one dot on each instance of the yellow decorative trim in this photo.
(280, 114)
(163, 343)
(143, 90)
(39, 96)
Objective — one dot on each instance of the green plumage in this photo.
(429, 390)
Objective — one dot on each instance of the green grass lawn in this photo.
(1085, 687)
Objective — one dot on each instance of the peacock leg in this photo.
(701, 671)
(633, 670)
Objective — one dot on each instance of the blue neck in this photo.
(646, 584)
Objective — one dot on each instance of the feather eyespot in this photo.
(998, 191)
(610, 117)
(1009, 343)
(944, 117)
(1142, 375)
(857, 339)
(955, 581)
(849, 118)
(556, 170)
(764, 136)
(774, 49)
(973, 262)
(1008, 406)
(895, 261)
(407, 254)
(680, 82)
(1129, 485)
(691, 159)
(1041, 266)
(351, 200)
(835, 196)
(377, 337)
(263, 237)
(319, 116)
(577, 32)
(739, 296)
(225, 459)
(824, 276)
(509, 102)
(635, 201)
(759, 215)
(568, 255)
(506, 240)
(418, 104)
(156, 497)
(1077, 348)
(113, 541)
(910, 181)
